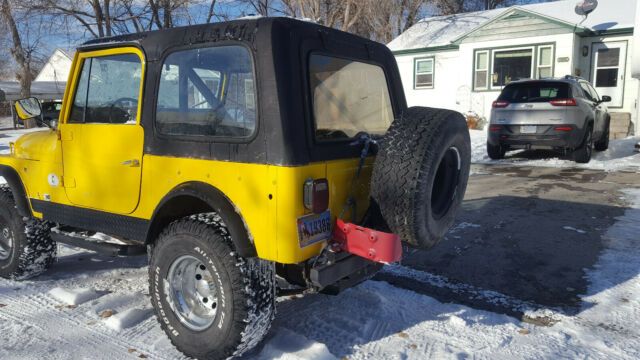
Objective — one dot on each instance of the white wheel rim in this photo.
(192, 293)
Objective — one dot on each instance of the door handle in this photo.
(132, 163)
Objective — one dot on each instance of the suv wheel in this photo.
(603, 143)
(26, 248)
(212, 303)
(496, 152)
(583, 153)
(421, 172)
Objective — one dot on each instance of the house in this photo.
(56, 68)
(463, 61)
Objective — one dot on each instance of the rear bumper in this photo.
(356, 254)
(546, 137)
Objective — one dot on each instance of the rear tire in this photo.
(603, 143)
(583, 153)
(211, 302)
(26, 248)
(496, 152)
(420, 174)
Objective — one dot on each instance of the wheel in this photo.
(420, 174)
(26, 248)
(496, 152)
(583, 153)
(212, 303)
(603, 143)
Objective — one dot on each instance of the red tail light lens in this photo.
(564, 102)
(500, 104)
(563, 128)
(316, 195)
(494, 128)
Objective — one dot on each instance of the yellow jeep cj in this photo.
(233, 153)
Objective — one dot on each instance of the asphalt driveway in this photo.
(526, 232)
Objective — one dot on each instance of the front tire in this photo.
(26, 247)
(583, 153)
(603, 143)
(211, 302)
(496, 152)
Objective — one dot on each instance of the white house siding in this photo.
(630, 98)
(56, 69)
(454, 73)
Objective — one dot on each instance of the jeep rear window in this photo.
(542, 91)
(348, 97)
(207, 92)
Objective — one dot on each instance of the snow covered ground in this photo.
(90, 306)
(621, 155)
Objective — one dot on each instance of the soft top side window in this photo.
(348, 97)
(207, 92)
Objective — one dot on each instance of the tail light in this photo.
(500, 104)
(564, 102)
(316, 195)
(563, 128)
(494, 128)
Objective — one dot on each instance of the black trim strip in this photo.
(113, 224)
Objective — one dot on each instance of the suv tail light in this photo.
(316, 195)
(563, 128)
(500, 104)
(494, 128)
(564, 102)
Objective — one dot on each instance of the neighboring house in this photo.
(57, 67)
(462, 61)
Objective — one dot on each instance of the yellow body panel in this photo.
(269, 198)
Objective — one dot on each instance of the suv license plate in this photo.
(313, 228)
(528, 129)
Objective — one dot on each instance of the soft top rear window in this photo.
(541, 91)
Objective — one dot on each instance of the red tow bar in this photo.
(370, 244)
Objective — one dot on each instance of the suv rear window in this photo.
(348, 97)
(543, 91)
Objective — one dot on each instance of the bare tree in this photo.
(22, 51)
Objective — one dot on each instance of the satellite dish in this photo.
(586, 7)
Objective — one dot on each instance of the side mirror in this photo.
(28, 108)
(606, 98)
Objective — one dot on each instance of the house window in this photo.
(544, 62)
(509, 65)
(481, 70)
(424, 71)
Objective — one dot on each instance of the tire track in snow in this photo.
(98, 340)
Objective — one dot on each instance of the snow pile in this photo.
(127, 318)
(287, 345)
(74, 296)
(619, 156)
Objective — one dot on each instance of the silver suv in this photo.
(558, 114)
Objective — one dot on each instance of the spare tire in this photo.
(420, 174)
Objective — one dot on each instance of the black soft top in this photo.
(280, 49)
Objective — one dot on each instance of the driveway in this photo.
(529, 233)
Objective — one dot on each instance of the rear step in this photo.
(99, 246)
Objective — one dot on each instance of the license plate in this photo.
(528, 129)
(313, 228)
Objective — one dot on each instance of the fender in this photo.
(195, 197)
(17, 190)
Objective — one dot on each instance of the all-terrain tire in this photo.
(244, 288)
(420, 174)
(496, 152)
(603, 143)
(583, 153)
(27, 247)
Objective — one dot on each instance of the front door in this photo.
(608, 61)
(102, 138)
